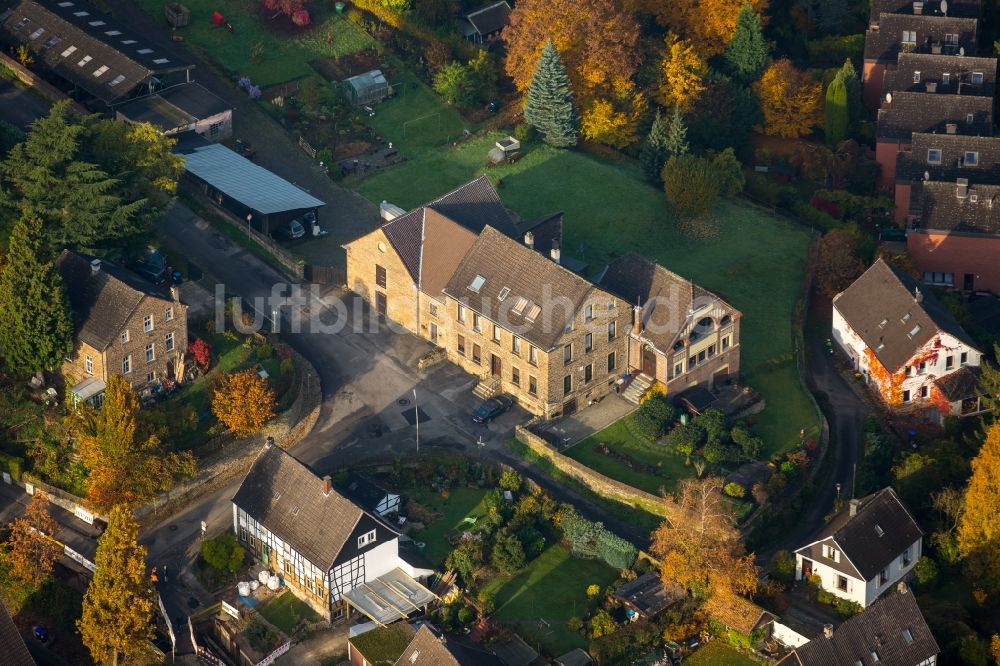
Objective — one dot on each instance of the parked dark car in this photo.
(289, 230)
(152, 266)
(492, 408)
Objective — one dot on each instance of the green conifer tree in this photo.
(836, 114)
(549, 107)
(746, 54)
(852, 82)
(677, 133)
(35, 328)
(989, 384)
(654, 153)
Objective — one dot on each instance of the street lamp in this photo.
(416, 416)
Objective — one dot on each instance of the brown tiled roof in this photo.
(884, 294)
(666, 297)
(911, 165)
(491, 18)
(858, 536)
(287, 498)
(736, 613)
(959, 385)
(892, 628)
(963, 8)
(912, 112)
(12, 646)
(445, 244)
(924, 72)
(507, 264)
(429, 649)
(884, 41)
(102, 301)
(945, 206)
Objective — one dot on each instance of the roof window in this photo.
(81, 14)
(115, 81)
(36, 34)
(52, 42)
(916, 329)
(295, 510)
(533, 313)
(100, 70)
(503, 293)
(908, 636)
(905, 318)
(96, 24)
(68, 52)
(113, 33)
(519, 306)
(161, 61)
(84, 60)
(145, 51)
(977, 78)
(879, 530)
(65, 4)
(20, 24)
(477, 283)
(128, 41)
(883, 323)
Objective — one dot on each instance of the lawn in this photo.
(669, 467)
(553, 587)
(460, 503)
(281, 56)
(755, 261)
(286, 611)
(717, 653)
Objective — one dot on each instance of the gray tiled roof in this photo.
(963, 8)
(885, 42)
(858, 536)
(491, 18)
(884, 294)
(287, 498)
(12, 646)
(892, 628)
(505, 263)
(942, 209)
(924, 72)
(102, 301)
(911, 165)
(912, 112)
(666, 297)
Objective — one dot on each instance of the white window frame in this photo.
(934, 155)
(977, 78)
(367, 538)
(169, 342)
(150, 352)
(168, 313)
(127, 364)
(970, 162)
(147, 323)
(916, 76)
(909, 37)
(88, 363)
(125, 337)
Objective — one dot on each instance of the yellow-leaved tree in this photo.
(31, 548)
(789, 99)
(243, 402)
(700, 547)
(709, 24)
(979, 528)
(683, 73)
(614, 120)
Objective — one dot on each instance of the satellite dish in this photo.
(961, 50)
(888, 98)
(944, 7)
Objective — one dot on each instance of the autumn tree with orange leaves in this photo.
(31, 549)
(243, 402)
(790, 100)
(979, 527)
(683, 72)
(700, 547)
(708, 24)
(125, 464)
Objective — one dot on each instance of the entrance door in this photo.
(648, 361)
(807, 568)
(380, 303)
(434, 332)
(969, 282)
(495, 365)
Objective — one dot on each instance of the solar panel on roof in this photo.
(144, 51)
(68, 52)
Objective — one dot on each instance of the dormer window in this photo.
(977, 78)
(366, 539)
(909, 37)
(970, 118)
(916, 76)
(934, 156)
(945, 78)
(971, 158)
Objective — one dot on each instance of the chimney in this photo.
(950, 128)
(854, 503)
(918, 297)
(175, 293)
(269, 442)
(327, 485)
(95, 265)
(529, 240)
(554, 253)
(931, 86)
(637, 320)
(901, 587)
(918, 8)
(828, 631)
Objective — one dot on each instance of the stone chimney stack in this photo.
(918, 296)
(175, 293)
(327, 485)
(554, 253)
(637, 320)
(95, 265)
(828, 631)
(529, 240)
(854, 504)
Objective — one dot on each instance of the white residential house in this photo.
(906, 344)
(331, 553)
(868, 547)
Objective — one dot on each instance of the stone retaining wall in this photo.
(235, 457)
(595, 481)
(43, 88)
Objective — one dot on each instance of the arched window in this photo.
(726, 321)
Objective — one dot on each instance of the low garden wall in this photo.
(235, 457)
(598, 483)
(43, 88)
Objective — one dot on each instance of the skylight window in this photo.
(84, 60)
(519, 306)
(115, 81)
(161, 61)
(295, 510)
(128, 41)
(276, 494)
(69, 51)
(533, 313)
(144, 51)
(81, 14)
(113, 33)
(65, 4)
(20, 24)
(879, 530)
(52, 42)
(503, 293)
(914, 330)
(477, 283)
(100, 70)
(908, 636)
(883, 323)
(905, 318)
(36, 34)
(97, 24)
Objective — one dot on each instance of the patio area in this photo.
(570, 430)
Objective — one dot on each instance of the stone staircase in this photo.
(637, 387)
(487, 387)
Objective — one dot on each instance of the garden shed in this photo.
(367, 88)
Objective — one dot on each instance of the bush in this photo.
(782, 567)
(654, 416)
(223, 553)
(734, 489)
(602, 624)
(524, 132)
(574, 624)
(510, 480)
(508, 554)
(926, 571)
(202, 352)
(846, 608)
(685, 438)
(593, 590)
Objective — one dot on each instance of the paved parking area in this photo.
(19, 106)
(594, 418)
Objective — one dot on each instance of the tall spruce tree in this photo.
(855, 107)
(118, 606)
(654, 153)
(549, 107)
(677, 132)
(746, 54)
(35, 328)
(836, 115)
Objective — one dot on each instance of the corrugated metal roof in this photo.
(253, 186)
